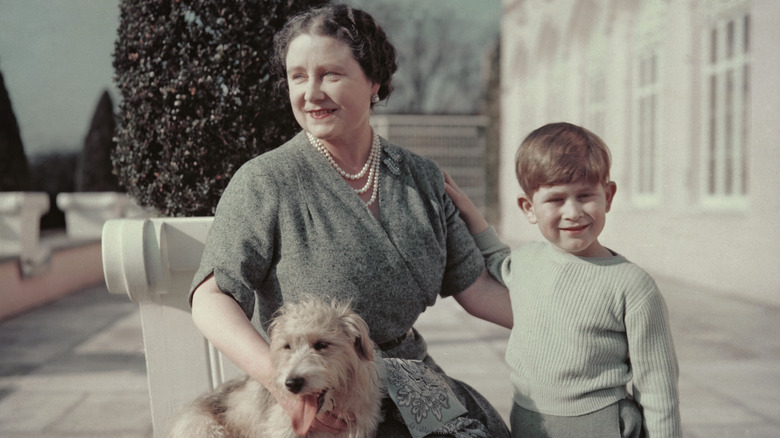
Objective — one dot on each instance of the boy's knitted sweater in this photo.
(575, 322)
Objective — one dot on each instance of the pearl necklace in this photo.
(371, 166)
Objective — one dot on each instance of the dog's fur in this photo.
(326, 349)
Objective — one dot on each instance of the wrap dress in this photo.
(289, 225)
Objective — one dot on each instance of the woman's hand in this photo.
(468, 211)
(331, 422)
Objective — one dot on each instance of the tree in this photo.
(197, 96)
(54, 173)
(432, 61)
(14, 170)
(441, 47)
(94, 167)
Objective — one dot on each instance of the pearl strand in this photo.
(375, 169)
(375, 193)
(373, 157)
(371, 166)
(324, 151)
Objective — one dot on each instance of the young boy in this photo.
(579, 308)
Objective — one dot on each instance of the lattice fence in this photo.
(456, 143)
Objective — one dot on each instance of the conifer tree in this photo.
(95, 171)
(14, 170)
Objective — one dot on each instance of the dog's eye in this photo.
(321, 345)
(287, 346)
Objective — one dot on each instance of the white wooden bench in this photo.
(153, 261)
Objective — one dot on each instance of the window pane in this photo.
(653, 69)
(728, 155)
(713, 135)
(714, 46)
(651, 144)
(730, 40)
(745, 124)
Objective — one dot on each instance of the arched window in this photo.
(646, 102)
(596, 84)
(726, 106)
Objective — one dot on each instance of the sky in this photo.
(55, 57)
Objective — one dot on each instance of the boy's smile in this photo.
(571, 216)
(575, 230)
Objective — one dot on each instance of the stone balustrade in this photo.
(86, 212)
(20, 218)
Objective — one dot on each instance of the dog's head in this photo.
(315, 340)
(322, 353)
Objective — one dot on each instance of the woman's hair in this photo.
(355, 28)
(561, 153)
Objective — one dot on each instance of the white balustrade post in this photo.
(86, 212)
(20, 229)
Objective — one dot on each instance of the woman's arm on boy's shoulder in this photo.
(493, 250)
(468, 211)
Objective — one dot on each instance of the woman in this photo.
(338, 211)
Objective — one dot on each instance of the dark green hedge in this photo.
(197, 96)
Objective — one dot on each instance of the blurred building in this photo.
(686, 94)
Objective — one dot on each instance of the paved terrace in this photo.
(75, 367)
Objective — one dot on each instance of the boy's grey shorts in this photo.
(620, 420)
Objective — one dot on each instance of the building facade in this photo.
(686, 94)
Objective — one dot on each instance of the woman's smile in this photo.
(320, 114)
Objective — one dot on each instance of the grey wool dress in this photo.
(289, 225)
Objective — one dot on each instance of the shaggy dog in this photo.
(323, 355)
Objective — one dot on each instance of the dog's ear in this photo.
(357, 328)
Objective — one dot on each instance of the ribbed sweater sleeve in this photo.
(654, 364)
(494, 251)
(575, 322)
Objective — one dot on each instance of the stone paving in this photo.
(75, 367)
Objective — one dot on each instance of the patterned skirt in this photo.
(427, 402)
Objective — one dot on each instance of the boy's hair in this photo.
(561, 153)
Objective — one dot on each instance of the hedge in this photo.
(197, 97)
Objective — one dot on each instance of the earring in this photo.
(374, 98)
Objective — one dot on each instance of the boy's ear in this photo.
(610, 189)
(525, 204)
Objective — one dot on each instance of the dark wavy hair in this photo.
(354, 27)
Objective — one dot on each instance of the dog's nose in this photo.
(295, 384)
